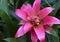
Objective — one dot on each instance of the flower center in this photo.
(35, 21)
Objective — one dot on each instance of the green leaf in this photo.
(28, 37)
(18, 3)
(4, 13)
(10, 40)
(54, 33)
(6, 18)
(11, 1)
(47, 2)
(55, 39)
(4, 5)
(49, 38)
(52, 38)
(1, 37)
(22, 39)
(56, 6)
(51, 1)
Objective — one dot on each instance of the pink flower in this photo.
(37, 21)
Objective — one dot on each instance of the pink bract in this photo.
(35, 20)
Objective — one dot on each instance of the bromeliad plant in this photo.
(35, 20)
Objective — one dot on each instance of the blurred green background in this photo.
(9, 21)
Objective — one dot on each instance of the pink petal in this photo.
(48, 29)
(27, 27)
(23, 30)
(33, 36)
(28, 10)
(21, 14)
(22, 22)
(20, 32)
(40, 33)
(44, 12)
(36, 5)
(24, 6)
(51, 20)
